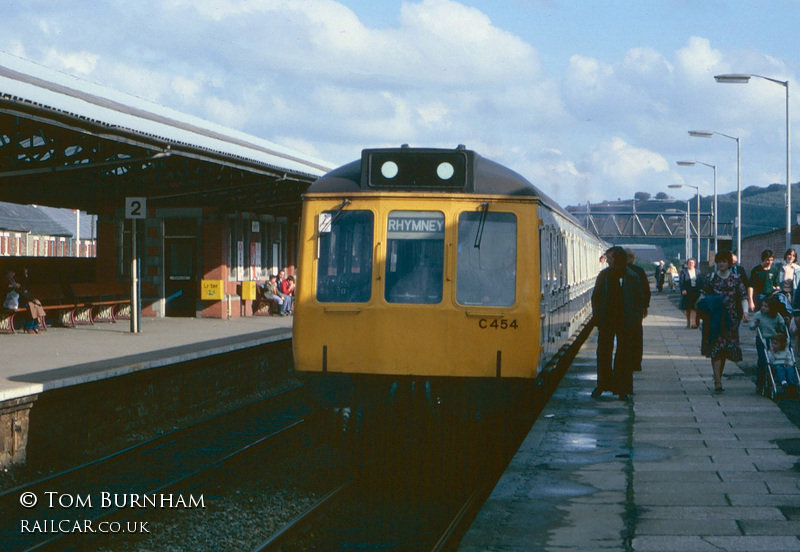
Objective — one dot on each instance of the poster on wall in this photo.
(240, 260)
(255, 260)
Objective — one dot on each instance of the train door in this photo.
(545, 273)
(180, 267)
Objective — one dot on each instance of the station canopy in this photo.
(69, 143)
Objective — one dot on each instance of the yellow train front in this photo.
(421, 269)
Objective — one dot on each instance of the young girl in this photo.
(771, 323)
(782, 362)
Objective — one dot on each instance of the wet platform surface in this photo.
(679, 468)
(60, 357)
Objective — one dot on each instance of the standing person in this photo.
(689, 283)
(763, 280)
(739, 269)
(788, 279)
(617, 306)
(638, 331)
(726, 306)
(660, 271)
(672, 272)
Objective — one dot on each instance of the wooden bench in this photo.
(7, 319)
(52, 299)
(101, 302)
(263, 307)
(58, 306)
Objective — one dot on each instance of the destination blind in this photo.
(415, 225)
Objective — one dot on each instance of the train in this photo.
(438, 272)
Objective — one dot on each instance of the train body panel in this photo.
(404, 326)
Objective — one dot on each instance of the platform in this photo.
(61, 357)
(679, 468)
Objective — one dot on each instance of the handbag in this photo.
(12, 300)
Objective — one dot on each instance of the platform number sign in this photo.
(135, 207)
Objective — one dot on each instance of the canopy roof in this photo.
(65, 142)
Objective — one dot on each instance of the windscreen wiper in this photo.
(338, 212)
(481, 224)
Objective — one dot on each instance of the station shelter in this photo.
(212, 208)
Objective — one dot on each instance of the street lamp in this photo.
(697, 188)
(687, 232)
(744, 79)
(709, 134)
(714, 209)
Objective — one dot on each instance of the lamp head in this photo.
(733, 78)
(675, 186)
(686, 163)
(701, 133)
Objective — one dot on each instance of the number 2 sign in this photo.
(135, 207)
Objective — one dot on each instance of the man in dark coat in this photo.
(638, 351)
(659, 275)
(736, 268)
(618, 306)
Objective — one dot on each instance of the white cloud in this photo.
(621, 162)
(434, 73)
(697, 59)
(82, 63)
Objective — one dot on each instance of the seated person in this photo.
(782, 361)
(269, 292)
(17, 297)
(769, 321)
(287, 294)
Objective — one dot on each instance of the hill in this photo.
(763, 209)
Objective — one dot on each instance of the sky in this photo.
(589, 100)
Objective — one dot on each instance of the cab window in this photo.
(414, 257)
(344, 267)
(487, 259)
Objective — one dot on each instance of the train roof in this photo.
(406, 169)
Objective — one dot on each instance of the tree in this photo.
(663, 195)
(641, 196)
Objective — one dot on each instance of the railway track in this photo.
(420, 498)
(44, 514)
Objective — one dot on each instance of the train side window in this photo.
(487, 275)
(344, 267)
(414, 257)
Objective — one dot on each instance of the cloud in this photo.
(433, 73)
(619, 161)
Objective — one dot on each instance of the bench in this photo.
(52, 299)
(101, 302)
(264, 307)
(56, 303)
(7, 320)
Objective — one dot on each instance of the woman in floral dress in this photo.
(724, 344)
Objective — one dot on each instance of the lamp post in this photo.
(687, 232)
(744, 79)
(709, 134)
(714, 208)
(697, 188)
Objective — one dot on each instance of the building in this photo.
(38, 231)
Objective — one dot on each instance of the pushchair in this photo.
(772, 385)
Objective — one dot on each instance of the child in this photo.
(782, 362)
(769, 321)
